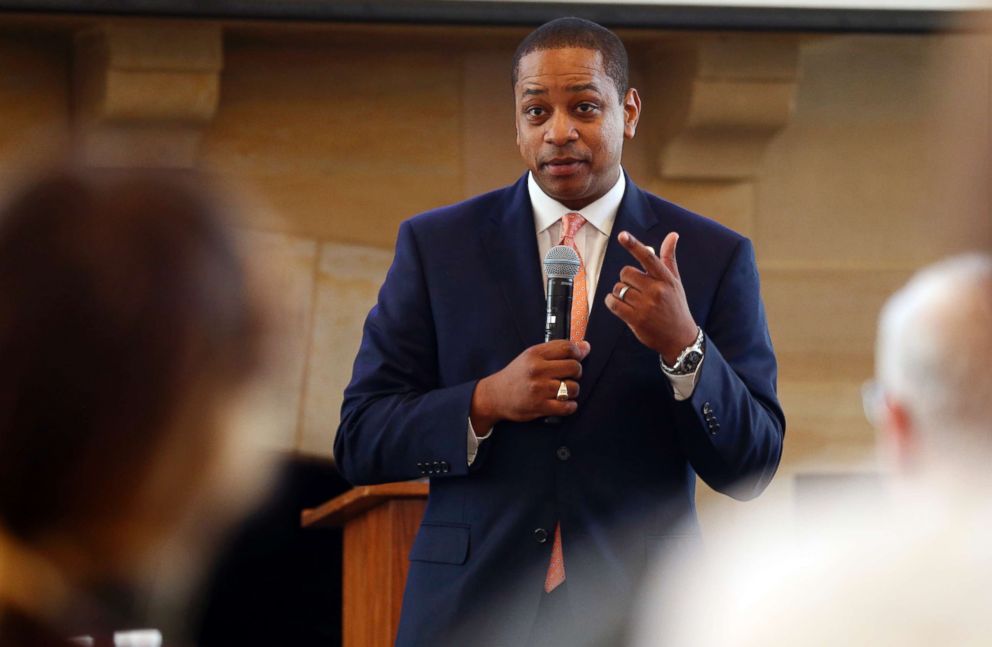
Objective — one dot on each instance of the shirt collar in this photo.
(600, 214)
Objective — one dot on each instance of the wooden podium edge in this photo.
(352, 503)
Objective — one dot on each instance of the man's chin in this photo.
(564, 189)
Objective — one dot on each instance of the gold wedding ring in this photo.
(623, 291)
(562, 392)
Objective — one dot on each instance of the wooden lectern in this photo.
(380, 522)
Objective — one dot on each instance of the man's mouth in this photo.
(560, 166)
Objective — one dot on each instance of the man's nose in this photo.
(560, 129)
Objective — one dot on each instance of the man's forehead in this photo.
(572, 63)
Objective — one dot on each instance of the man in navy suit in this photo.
(531, 527)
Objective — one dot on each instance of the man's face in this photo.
(571, 123)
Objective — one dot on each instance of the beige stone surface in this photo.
(344, 150)
(143, 90)
(722, 99)
(488, 135)
(751, 57)
(830, 311)
(729, 203)
(860, 175)
(345, 130)
(347, 284)
(284, 269)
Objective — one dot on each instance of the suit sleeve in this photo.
(397, 422)
(732, 426)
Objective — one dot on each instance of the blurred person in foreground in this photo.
(914, 572)
(127, 333)
(532, 527)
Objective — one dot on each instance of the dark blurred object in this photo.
(127, 332)
(276, 583)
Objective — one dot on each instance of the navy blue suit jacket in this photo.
(463, 298)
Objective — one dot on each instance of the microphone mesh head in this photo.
(561, 262)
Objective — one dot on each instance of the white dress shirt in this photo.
(591, 241)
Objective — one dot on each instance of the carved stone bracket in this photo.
(144, 91)
(722, 100)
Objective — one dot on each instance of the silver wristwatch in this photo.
(688, 359)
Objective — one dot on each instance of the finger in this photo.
(667, 253)
(629, 297)
(560, 369)
(644, 255)
(570, 385)
(559, 408)
(621, 309)
(635, 278)
(564, 349)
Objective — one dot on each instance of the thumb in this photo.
(667, 253)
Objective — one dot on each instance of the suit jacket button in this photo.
(563, 453)
(707, 409)
(540, 535)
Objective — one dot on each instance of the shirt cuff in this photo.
(474, 442)
(682, 385)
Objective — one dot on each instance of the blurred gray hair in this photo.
(934, 351)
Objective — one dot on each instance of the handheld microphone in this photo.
(561, 265)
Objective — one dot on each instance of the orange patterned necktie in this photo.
(571, 223)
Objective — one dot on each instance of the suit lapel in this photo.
(605, 328)
(511, 246)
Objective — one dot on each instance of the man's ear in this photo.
(897, 425)
(631, 112)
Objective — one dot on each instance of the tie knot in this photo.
(571, 223)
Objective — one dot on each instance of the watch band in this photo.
(680, 367)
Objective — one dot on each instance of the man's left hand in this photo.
(654, 306)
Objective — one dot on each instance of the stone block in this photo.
(283, 268)
(348, 281)
(144, 90)
(345, 151)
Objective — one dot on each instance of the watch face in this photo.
(691, 361)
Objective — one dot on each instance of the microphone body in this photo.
(561, 264)
(558, 313)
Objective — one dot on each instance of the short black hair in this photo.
(578, 32)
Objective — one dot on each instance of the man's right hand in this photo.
(527, 388)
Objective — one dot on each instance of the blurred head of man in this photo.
(912, 572)
(126, 329)
(934, 364)
(573, 108)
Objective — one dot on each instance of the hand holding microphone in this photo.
(529, 386)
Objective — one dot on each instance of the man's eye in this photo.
(586, 108)
(534, 111)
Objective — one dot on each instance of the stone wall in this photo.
(850, 160)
